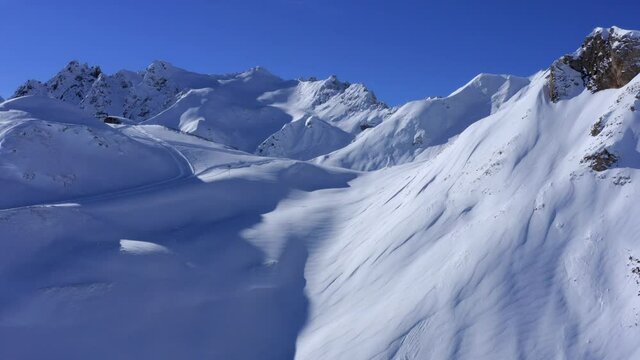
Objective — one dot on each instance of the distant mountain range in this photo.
(168, 214)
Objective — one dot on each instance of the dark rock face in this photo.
(563, 81)
(600, 161)
(112, 120)
(608, 59)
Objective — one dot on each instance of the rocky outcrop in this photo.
(134, 95)
(608, 59)
(70, 85)
(600, 161)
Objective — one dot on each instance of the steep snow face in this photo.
(485, 249)
(52, 151)
(424, 124)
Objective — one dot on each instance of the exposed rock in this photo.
(134, 95)
(564, 82)
(600, 161)
(112, 120)
(364, 126)
(31, 87)
(608, 59)
(596, 129)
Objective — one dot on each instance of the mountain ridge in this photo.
(496, 222)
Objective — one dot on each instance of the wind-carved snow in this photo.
(504, 229)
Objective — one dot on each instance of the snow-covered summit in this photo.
(608, 58)
(135, 95)
(70, 85)
(613, 31)
(254, 100)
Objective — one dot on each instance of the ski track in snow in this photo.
(184, 167)
(185, 174)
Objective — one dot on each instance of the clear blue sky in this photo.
(401, 49)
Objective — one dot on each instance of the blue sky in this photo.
(401, 49)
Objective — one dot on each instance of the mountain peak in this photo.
(613, 31)
(609, 58)
(77, 68)
(259, 70)
(161, 68)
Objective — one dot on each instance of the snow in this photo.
(618, 32)
(222, 117)
(424, 124)
(346, 106)
(134, 95)
(51, 151)
(136, 247)
(242, 110)
(479, 231)
(304, 139)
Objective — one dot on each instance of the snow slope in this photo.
(504, 245)
(341, 110)
(506, 228)
(51, 151)
(423, 124)
(229, 114)
(257, 112)
(160, 272)
(304, 139)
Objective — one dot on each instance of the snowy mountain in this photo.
(341, 110)
(607, 59)
(498, 222)
(250, 110)
(134, 95)
(425, 124)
